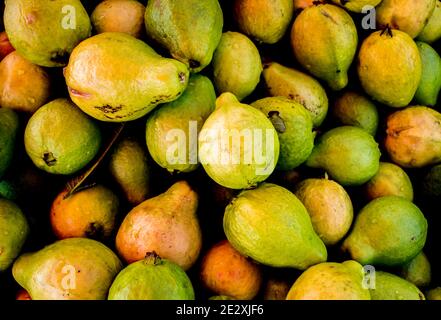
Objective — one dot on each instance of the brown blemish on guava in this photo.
(49, 159)
(182, 77)
(109, 109)
(194, 64)
(95, 231)
(277, 121)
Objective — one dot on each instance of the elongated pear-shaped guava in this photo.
(172, 130)
(166, 224)
(190, 30)
(388, 231)
(70, 269)
(115, 77)
(324, 39)
(270, 225)
(297, 86)
(430, 85)
(349, 155)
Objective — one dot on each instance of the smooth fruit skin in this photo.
(349, 155)
(390, 67)
(413, 137)
(129, 168)
(176, 153)
(166, 224)
(390, 180)
(236, 65)
(125, 16)
(406, 15)
(264, 20)
(354, 109)
(432, 30)
(24, 86)
(235, 165)
(294, 127)
(388, 231)
(297, 86)
(8, 131)
(226, 272)
(324, 39)
(357, 5)
(190, 30)
(115, 77)
(89, 213)
(288, 241)
(417, 271)
(60, 139)
(44, 31)
(329, 206)
(14, 230)
(330, 281)
(391, 287)
(152, 279)
(430, 85)
(70, 269)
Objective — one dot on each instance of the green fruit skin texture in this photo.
(196, 104)
(388, 231)
(432, 182)
(330, 281)
(418, 271)
(353, 109)
(430, 85)
(234, 119)
(41, 273)
(324, 39)
(432, 30)
(294, 126)
(8, 131)
(152, 280)
(61, 131)
(391, 287)
(390, 180)
(389, 67)
(349, 154)
(128, 166)
(236, 65)
(14, 230)
(190, 30)
(35, 28)
(115, 77)
(298, 86)
(288, 241)
(266, 21)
